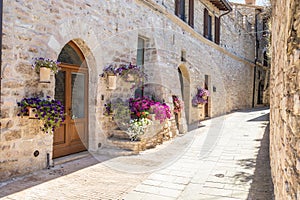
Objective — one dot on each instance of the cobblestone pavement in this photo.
(227, 158)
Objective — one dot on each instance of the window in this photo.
(217, 30)
(191, 13)
(207, 25)
(140, 58)
(183, 56)
(140, 61)
(180, 9)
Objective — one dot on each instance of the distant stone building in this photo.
(182, 45)
(285, 99)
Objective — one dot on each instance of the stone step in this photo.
(119, 134)
(125, 144)
(115, 152)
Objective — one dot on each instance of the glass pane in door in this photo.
(78, 95)
(60, 80)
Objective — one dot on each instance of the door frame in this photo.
(68, 100)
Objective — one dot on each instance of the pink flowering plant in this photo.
(200, 97)
(45, 62)
(141, 107)
(177, 104)
(50, 111)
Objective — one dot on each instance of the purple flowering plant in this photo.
(200, 97)
(45, 62)
(108, 109)
(124, 71)
(50, 111)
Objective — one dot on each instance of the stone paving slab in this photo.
(227, 159)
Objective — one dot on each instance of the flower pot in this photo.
(45, 75)
(111, 82)
(130, 78)
(200, 106)
(31, 112)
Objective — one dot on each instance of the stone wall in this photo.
(285, 99)
(107, 33)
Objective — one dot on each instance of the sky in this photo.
(258, 2)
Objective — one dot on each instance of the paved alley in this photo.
(227, 158)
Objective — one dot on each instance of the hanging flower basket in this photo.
(44, 66)
(200, 106)
(130, 78)
(45, 75)
(201, 97)
(49, 111)
(111, 82)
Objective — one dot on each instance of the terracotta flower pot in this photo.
(45, 75)
(200, 106)
(31, 112)
(111, 82)
(130, 78)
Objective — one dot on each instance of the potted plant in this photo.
(108, 109)
(50, 111)
(131, 73)
(44, 66)
(177, 105)
(111, 74)
(201, 97)
(137, 127)
(28, 107)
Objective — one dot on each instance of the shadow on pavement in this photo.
(18, 184)
(261, 185)
(260, 118)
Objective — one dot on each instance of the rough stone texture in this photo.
(107, 32)
(285, 84)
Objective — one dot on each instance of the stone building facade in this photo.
(285, 99)
(182, 50)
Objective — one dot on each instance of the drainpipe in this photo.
(225, 13)
(257, 12)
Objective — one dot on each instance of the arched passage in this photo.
(184, 79)
(71, 88)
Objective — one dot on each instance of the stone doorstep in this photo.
(125, 144)
(120, 134)
(114, 151)
(72, 157)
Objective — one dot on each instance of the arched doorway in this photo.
(184, 79)
(71, 88)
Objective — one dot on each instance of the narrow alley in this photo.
(227, 158)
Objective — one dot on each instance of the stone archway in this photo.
(184, 79)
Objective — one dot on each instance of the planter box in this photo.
(200, 106)
(45, 75)
(111, 82)
(31, 112)
(130, 78)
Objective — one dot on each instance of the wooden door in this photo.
(71, 89)
(206, 113)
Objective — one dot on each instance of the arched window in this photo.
(70, 54)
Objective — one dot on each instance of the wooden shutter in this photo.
(191, 13)
(217, 30)
(205, 31)
(177, 7)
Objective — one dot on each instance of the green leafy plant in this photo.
(45, 62)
